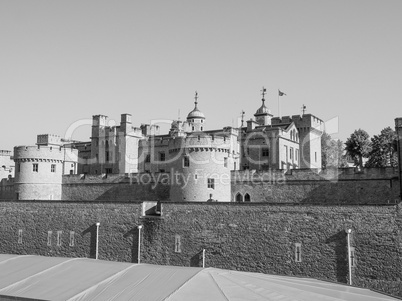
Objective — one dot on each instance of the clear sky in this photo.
(63, 61)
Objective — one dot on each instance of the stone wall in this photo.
(324, 186)
(259, 237)
(117, 187)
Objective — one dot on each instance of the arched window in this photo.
(247, 197)
(239, 198)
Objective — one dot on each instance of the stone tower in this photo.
(39, 171)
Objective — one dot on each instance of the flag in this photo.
(280, 93)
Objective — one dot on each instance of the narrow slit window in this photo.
(72, 239)
(225, 162)
(20, 236)
(49, 238)
(186, 161)
(298, 252)
(177, 244)
(59, 238)
(352, 257)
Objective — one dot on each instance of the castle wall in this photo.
(7, 166)
(327, 186)
(255, 237)
(116, 187)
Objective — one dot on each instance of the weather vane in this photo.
(196, 97)
(303, 109)
(263, 91)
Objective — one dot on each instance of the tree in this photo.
(358, 146)
(332, 152)
(383, 152)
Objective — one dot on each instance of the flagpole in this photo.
(279, 110)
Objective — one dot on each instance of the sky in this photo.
(61, 62)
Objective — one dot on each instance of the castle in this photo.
(197, 161)
(252, 198)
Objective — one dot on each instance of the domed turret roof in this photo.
(262, 110)
(196, 113)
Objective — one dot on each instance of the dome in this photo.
(195, 114)
(262, 110)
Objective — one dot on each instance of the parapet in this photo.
(5, 153)
(307, 120)
(39, 152)
(45, 139)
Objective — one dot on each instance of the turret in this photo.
(263, 114)
(195, 119)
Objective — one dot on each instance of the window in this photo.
(148, 158)
(298, 252)
(72, 164)
(239, 198)
(71, 172)
(162, 156)
(177, 244)
(18, 167)
(265, 152)
(192, 128)
(49, 238)
(291, 153)
(286, 153)
(297, 154)
(53, 168)
(186, 161)
(225, 162)
(59, 238)
(247, 197)
(72, 239)
(107, 156)
(20, 236)
(352, 257)
(199, 137)
(315, 156)
(108, 170)
(35, 167)
(211, 183)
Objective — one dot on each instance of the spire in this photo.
(263, 91)
(196, 99)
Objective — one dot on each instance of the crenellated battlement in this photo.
(307, 120)
(6, 153)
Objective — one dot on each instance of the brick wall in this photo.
(258, 237)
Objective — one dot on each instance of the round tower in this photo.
(200, 168)
(39, 170)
